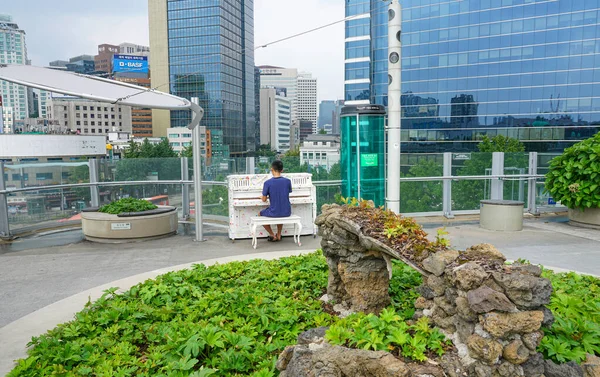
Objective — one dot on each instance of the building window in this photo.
(78, 115)
(85, 115)
(85, 130)
(106, 109)
(43, 176)
(79, 123)
(77, 107)
(85, 123)
(85, 108)
(92, 116)
(173, 136)
(105, 116)
(112, 116)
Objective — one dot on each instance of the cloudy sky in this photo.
(66, 28)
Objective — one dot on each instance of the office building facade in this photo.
(326, 113)
(209, 51)
(86, 117)
(285, 78)
(307, 99)
(275, 120)
(471, 69)
(13, 50)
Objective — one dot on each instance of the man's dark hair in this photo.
(277, 166)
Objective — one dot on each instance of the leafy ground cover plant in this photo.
(574, 176)
(576, 305)
(235, 319)
(127, 205)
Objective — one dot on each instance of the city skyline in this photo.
(99, 23)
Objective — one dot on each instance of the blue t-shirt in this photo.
(278, 190)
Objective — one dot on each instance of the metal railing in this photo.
(496, 182)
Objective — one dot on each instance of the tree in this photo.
(422, 196)
(265, 150)
(322, 132)
(187, 152)
(468, 194)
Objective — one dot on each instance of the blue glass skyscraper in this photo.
(520, 68)
(211, 56)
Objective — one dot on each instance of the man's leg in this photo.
(268, 228)
(279, 229)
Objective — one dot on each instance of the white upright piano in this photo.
(245, 192)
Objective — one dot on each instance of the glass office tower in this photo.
(211, 56)
(520, 68)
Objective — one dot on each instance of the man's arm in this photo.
(265, 192)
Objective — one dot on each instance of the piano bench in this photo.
(255, 222)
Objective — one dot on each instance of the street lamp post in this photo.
(394, 105)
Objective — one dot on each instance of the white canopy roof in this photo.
(91, 87)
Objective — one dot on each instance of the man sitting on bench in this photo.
(277, 190)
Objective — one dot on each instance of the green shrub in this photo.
(576, 305)
(235, 319)
(574, 176)
(127, 205)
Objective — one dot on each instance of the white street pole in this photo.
(197, 167)
(394, 105)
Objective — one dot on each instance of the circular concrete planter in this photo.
(588, 218)
(106, 228)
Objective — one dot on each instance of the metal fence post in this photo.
(447, 186)
(250, 165)
(532, 189)
(94, 192)
(197, 161)
(497, 169)
(185, 189)
(4, 226)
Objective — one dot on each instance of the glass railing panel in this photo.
(467, 194)
(544, 201)
(139, 169)
(516, 188)
(421, 196)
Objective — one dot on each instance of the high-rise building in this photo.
(305, 128)
(277, 77)
(275, 120)
(133, 49)
(529, 70)
(326, 113)
(335, 129)
(13, 50)
(209, 52)
(257, 105)
(141, 118)
(307, 99)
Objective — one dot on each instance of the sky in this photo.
(58, 30)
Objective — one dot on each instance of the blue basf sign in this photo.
(130, 63)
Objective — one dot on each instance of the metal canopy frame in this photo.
(46, 79)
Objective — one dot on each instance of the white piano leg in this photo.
(299, 233)
(254, 240)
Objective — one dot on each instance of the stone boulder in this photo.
(570, 369)
(591, 366)
(516, 352)
(487, 350)
(468, 276)
(526, 291)
(501, 325)
(484, 251)
(437, 263)
(485, 300)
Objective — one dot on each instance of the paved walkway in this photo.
(45, 280)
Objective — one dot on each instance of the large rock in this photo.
(423, 303)
(570, 369)
(452, 365)
(532, 340)
(591, 366)
(468, 276)
(534, 367)
(484, 251)
(437, 285)
(437, 263)
(448, 307)
(340, 361)
(485, 299)
(507, 369)
(483, 349)
(464, 310)
(526, 291)
(516, 352)
(366, 283)
(313, 336)
(502, 324)
(529, 269)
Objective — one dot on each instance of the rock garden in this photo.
(381, 299)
